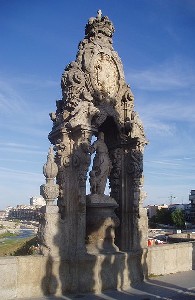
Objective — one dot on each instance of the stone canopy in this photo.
(97, 101)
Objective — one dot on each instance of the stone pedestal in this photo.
(49, 231)
(100, 224)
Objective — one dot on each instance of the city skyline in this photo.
(155, 40)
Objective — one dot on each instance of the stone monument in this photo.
(100, 238)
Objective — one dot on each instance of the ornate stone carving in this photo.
(50, 190)
(83, 113)
(62, 155)
(96, 98)
(137, 129)
(135, 165)
(105, 75)
(98, 25)
(50, 193)
(115, 173)
(50, 169)
(81, 161)
(94, 82)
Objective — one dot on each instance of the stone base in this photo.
(95, 199)
(92, 273)
(48, 231)
(101, 222)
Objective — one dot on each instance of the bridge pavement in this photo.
(180, 286)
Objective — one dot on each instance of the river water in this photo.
(23, 233)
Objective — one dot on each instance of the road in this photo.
(180, 286)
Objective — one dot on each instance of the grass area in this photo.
(26, 246)
(153, 275)
(7, 234)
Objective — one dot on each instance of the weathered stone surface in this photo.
(50, 190)
(31, 271)
(96, 101)
(35, 276)
(168, 259)
(101, 222)
(8, 277)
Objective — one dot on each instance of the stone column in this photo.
(49, 225)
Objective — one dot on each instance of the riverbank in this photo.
(17, 237)
(7, 235)
(15, 247)
(14, 226)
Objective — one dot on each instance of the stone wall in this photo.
(25, 276)
(21, 276)
(170, 258)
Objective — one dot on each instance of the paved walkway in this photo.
(169, 287)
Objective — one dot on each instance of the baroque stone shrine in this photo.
(94, 242)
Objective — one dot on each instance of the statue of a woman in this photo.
(101, 166)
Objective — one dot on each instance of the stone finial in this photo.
(100, 24)
(50, 190)
(50, 168)
(99, 14)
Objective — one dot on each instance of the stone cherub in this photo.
(101, 166)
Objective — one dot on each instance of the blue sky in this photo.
(155, 40)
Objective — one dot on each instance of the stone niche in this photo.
(95, 241)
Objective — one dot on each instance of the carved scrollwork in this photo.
(76, 161)
(72, 84)
(81, 160)
(135, 165)
(49, 192)
(105, 75)
(137, 129)
(83, 114)
(115, 172)
(62, 155)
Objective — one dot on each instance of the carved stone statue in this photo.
(101, 166)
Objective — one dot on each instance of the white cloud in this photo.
(35, 82)
(18, 172)
(10, 99)
(170, 110)
(18, 145)
(13, 160)
(16, 148)
(170, 75)
(163, 163)
(160, 128)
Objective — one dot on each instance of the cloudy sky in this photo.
(155, 40)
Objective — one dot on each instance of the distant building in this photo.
(2, 214)
(37, 200)
(152, 209)
(7, 211)
(175, 206)
(25, 212)
(192, 210)
(30, 212)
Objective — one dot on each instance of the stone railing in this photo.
(170, 258)
(24, 276)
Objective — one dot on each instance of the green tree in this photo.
(178, 218)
